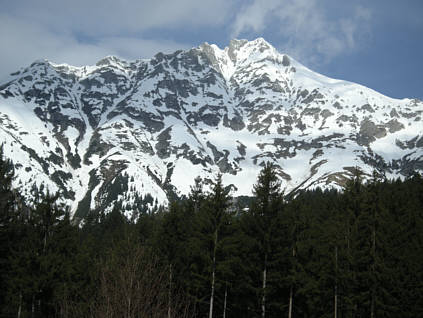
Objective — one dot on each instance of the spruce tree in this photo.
(217, 214)
(264, 210)
(7, 233)
(206, 244)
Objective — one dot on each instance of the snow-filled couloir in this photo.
(140, 131)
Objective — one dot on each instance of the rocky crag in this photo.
(139, 132)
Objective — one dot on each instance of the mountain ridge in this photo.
(127, 130)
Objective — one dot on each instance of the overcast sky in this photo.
(377, 43)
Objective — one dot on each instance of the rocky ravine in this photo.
(120, 130)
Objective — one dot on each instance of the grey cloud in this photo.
(81, 32)
(114, 17)
(308, 31)
(24, 41)
(135, 48)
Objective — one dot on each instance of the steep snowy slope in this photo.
(141, 131)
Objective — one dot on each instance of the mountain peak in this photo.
(40, 62)
(261, 42)
(110, 60)
(226, 60)
(236, 44)
(246, 48)
(134, 129)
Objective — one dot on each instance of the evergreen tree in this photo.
(212, 219)
(266, 206)
(6, 192)
(355, 253)
(7, 233)
(42, 260)
(173, 242)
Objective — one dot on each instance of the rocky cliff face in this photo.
(141, 131)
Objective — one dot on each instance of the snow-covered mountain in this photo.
(120, 130)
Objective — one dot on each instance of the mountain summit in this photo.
(140, 131)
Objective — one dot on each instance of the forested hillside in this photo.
(355, 253)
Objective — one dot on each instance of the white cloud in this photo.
(135, 48)
(362, 12)
(308, 32)
(81, 32)
(253, 17)
(24, 42)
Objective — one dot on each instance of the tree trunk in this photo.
(291, 291)
(45, 242)
(33, 306)
(263, 300)
(346, 289)
(169, 307)
(336, 283)
(213, 275)
(212, 294)
(372, 305)
(20, 305)
(224, 302)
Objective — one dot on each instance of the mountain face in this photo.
(141, 131)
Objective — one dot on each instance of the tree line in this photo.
(355, 253)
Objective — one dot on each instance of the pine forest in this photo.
(316, 253)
